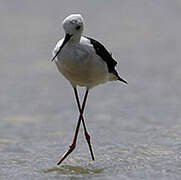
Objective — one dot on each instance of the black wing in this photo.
(104, 54)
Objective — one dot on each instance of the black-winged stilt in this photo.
(84, 62)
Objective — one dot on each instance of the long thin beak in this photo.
(67, 37)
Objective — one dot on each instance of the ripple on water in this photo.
(67, 169)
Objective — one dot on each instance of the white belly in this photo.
(80, 64)
(83, 71)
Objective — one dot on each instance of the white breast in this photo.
(79, 63)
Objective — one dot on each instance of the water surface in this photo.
(135, 129)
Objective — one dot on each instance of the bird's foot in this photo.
(71, 148)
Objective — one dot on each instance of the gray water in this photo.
(135, 130)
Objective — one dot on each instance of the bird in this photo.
(84, 62)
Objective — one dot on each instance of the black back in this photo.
(104, 54)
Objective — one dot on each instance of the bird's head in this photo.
(73, 25)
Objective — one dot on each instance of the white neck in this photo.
(76, 38)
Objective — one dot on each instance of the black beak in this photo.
(67, 37)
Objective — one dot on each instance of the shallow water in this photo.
(135, 129)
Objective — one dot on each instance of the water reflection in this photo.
(135, 130)
(68, 169)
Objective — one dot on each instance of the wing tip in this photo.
(118, 77)
(122, 80)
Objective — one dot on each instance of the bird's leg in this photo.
(83, 122)
(72, 147)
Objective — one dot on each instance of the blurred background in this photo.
(135, 129)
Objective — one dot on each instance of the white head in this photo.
(73, 25)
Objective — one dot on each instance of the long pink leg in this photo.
(83, 122)
(72, 147)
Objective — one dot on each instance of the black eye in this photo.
(78, 27)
